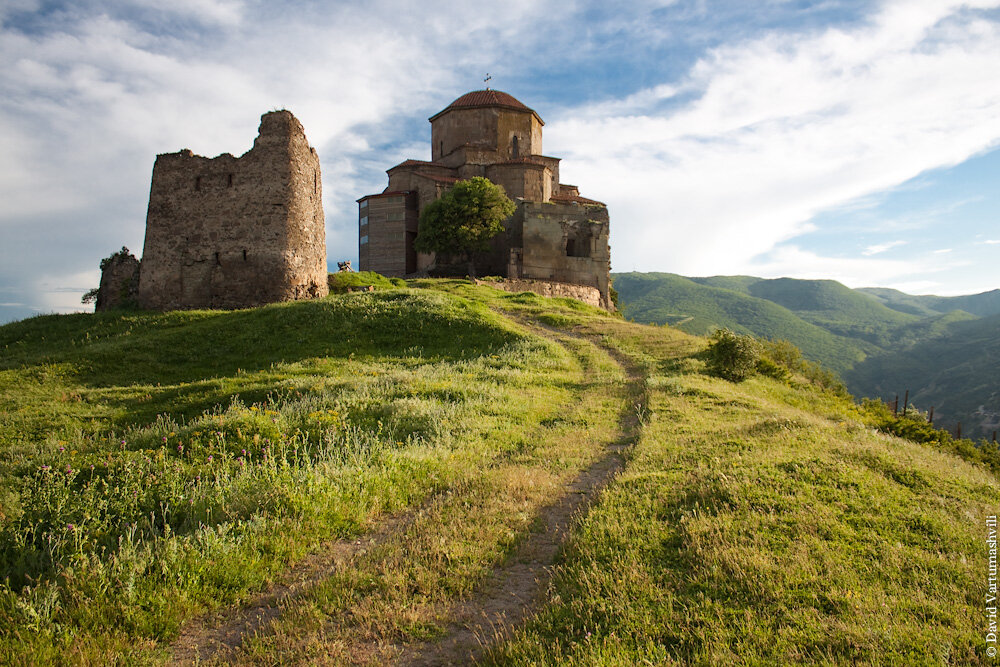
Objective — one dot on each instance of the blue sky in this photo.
(849, 140)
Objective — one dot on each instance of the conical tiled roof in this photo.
(486, 98)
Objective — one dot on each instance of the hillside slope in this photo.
(699, 306)
(361, 479)
(981, 305)
(882, 342)
(953, 371)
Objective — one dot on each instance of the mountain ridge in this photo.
(870, 336)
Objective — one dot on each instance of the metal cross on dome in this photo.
(487, 80)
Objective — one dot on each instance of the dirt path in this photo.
(213, 637)
(504, 600)
(516, 587)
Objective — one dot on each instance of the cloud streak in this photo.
(780, 128)
(879, 248)
(712, 166)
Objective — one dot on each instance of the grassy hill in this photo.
(360, 479)
(981, 305)
(881, 341)
(953, 371)
(701, 305)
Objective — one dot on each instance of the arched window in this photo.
(513, 147)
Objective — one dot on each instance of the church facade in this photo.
(554, 235)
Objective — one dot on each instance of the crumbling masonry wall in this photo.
(230, 232)
(562, 242)
(119, 281)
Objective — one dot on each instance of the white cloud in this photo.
(881, 247)
(991, 241)
(785, 126)
(702, 175)
(942, 251)
(88, 98)
(222, 12)
(794, 262)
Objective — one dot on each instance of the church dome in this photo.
(486, 98)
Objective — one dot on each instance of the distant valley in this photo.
(882, 342)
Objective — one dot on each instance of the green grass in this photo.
(761, 524)
(157, 467)
(663, 298)
(346, 281)
(879, 341)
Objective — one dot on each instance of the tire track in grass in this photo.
(218, 636)
(214, 636)
(516, 587)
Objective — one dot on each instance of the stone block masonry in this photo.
(230, 232)
(589, 295)
(555, 237)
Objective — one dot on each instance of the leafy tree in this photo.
(732, 356)
(464, 220)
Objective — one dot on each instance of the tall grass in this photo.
(296, 423)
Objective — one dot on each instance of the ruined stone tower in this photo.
(230, 232)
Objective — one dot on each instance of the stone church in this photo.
(555, 235)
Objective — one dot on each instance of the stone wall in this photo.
(388, 226)
(231, 232)
(119, 282)
(487, 128)
(589, 295)
(566, 243)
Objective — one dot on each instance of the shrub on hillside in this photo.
(785, 355)
(771, 369)
(732, 356)
(915, 427)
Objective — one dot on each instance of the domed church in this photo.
(554, 235)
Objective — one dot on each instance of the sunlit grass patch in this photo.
(750, 529)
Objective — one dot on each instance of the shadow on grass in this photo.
(121, 349)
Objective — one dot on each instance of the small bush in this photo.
(345, 281)
(769, 368)
(732, 356)
(915, 427)
(784, 355)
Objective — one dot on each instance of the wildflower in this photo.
(164, 438)
(45, 468)
(209, 458)
(62, 449)
(180, 448)
(70, 526)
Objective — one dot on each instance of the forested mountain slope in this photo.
(881, 341)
